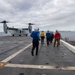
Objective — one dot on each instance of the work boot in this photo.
(36, 53)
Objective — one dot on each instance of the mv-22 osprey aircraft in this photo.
(17, 31)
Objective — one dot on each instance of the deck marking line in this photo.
(15, 54)
(40, 66)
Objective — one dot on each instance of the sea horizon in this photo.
(64, 34)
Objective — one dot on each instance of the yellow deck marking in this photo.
(2, 64)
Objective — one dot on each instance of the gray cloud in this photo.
(46, 14)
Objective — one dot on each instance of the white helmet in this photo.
(36, 29)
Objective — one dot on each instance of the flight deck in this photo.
(16, 58)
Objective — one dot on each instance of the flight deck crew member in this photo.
(35, 42)
(48, 37)
(51, 40)
(42, 35)
(57, 38)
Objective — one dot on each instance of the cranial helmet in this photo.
(36, 29)
(48, 31)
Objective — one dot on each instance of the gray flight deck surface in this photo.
(42, 64)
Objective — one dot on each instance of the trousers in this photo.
(35, 44)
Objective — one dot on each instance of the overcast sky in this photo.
(45, 14)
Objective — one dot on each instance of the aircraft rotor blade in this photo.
(4, 22)
(30, 24)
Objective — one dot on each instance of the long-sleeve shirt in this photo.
(48, 34)
(35, 35)
(57, 35)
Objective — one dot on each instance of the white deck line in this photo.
(69, 46)
(15, 54)
(40, 66)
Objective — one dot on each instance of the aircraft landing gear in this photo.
(26, 34)
(19, 35)
(13, 35)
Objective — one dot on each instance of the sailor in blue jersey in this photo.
(35, 42)
(48, 37)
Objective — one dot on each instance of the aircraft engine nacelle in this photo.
(30, 28)
(5, 27)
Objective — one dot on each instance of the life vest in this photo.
(42, 34)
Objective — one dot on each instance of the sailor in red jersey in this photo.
(57, 38)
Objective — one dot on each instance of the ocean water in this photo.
(65, 34)
(68, 34)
